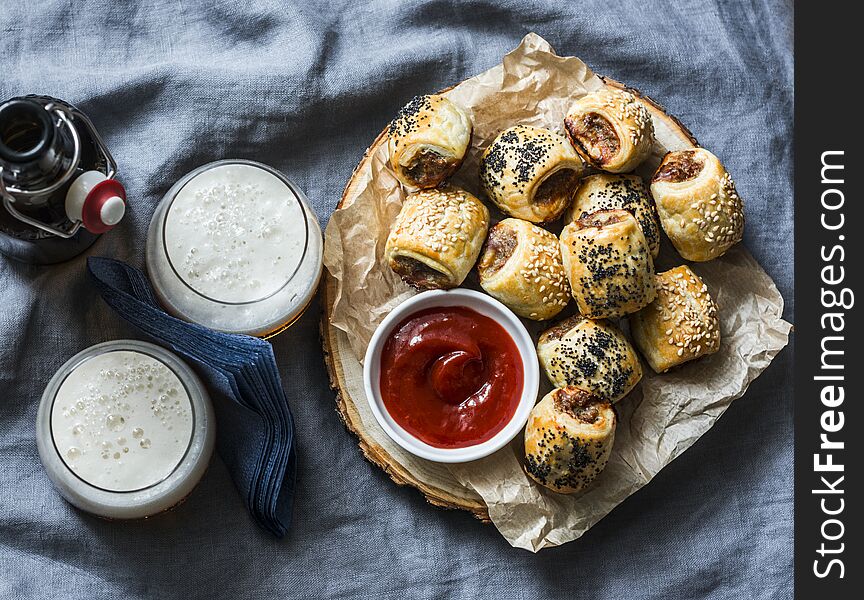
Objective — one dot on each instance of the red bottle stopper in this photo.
(98, 202)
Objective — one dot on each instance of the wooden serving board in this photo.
(434, 480)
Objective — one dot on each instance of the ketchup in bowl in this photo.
(450, 376)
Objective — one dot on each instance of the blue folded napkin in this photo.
(254, 426)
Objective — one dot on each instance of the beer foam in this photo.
(122, 421)
(235, 233)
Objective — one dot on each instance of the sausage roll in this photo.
(521, 266)
(530, 173)
(680, 325)
(568, 439)
(428, 141)
(606, 192)
(611, 129)
(699, 208)
(593, 355)
(608, 263)
(436, 237)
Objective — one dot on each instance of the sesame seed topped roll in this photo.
(680, 325)
(568, 439)
(521, 266)
(436, 238)
(605, 191)
(530, 173)
(593, 355)
(611, 129)
(699, 208)
(428, 141)
(608, 264)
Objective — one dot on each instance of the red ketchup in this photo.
(451, 377)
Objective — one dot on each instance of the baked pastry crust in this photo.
(605, 191)
(680, 325)
(611, 129)
(436, 237)
(428, 141)
(568, 439)
(699, 207)
(530, 173)
(521, 266)
(591, 354)
(608, 264)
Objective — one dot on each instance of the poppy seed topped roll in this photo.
(611, 129)
(605, 191)
(568, 439)
(593, 355)
(428, 141)
(608, 263)
(530, 173)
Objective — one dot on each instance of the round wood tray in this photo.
(435, 481)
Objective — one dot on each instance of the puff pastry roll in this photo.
(530, 173)
(604, 191)
(680, 325)
(699, 208)
(437, 237)
(611, 129)
(521, 266)
(608, 264)
(428, 141)
(568, 439)
(593, 355)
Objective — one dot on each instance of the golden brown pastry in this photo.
(699, 208)
(568, 439)
(605, 191)
(608, 264)
(611, 129)
(593, 355)
(521, 266)
(680, 325)
(436, 237)
(428, 141)
(530, 173)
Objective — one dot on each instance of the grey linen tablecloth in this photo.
(305, 87)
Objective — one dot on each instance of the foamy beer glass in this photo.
(234, 246)
(125, 430)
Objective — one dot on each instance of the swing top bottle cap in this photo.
(97, 201)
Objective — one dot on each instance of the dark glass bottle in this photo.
(56, 181)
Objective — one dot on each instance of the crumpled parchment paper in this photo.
(663, 416)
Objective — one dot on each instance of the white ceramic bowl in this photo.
(485, 305)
